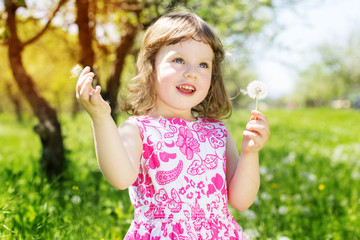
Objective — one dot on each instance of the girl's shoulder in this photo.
(129, 128)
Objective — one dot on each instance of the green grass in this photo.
(310, 177)
(310, 181)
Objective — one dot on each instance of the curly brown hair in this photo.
(171, 29)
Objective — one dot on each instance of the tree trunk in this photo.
(49, 129)
(14, 98)
(85, 36)
(129, 32)
(87, 54)
(114, 82)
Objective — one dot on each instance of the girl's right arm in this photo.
(118, 151)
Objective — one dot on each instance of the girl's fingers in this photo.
(95, 94)
(83, 77)
(252, 139)
(258, 124)
(257, 132)
(84, 71)
(257, 128)
(256, 115)
(82, 80)
(97, 90)
(86, 89)
(250, 134)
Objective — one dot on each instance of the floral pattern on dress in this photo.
(187, 143)
(181, 191)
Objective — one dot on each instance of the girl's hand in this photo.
(88, 97)
(256, 134)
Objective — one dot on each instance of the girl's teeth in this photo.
(187, 87)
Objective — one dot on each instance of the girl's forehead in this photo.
(196, 38)
(190, 45)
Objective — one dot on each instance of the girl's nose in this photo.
(191, 73)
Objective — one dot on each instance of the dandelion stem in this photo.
(257, 100)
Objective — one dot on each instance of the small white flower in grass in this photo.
(355, 175)
(283, 198)
(306, 210)
(251, 234)
(297, 197)
(269, 177)
(249, 214)
(263, 170)
(256, 90)
(283, 210)
(283, 238)
(76, 199)
(75, 71)
(265, 196)
(289, 158)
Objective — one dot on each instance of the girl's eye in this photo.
(179, 60)
(203, 65)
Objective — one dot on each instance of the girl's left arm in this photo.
(242, 173)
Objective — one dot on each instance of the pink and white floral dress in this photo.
(181, 190)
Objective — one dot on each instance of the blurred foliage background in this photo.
(49, 59)
(50, 179)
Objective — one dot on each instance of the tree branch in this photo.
(37, 36)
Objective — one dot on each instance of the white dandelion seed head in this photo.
(256, 89)
(75, 71)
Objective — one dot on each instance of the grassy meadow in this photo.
(310, 189)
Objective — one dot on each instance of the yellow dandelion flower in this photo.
(75, 188)
(321, 187)
(274, 185)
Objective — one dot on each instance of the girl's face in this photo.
(182, 77)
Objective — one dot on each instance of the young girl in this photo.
(178, 160)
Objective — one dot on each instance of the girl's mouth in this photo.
(187, 89)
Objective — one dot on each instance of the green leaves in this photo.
(21, 3)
